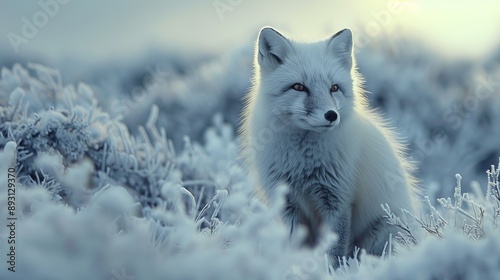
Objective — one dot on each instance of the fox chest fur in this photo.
(308, 165)
(317, 175)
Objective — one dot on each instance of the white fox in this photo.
(307, 124)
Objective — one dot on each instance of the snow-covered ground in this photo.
(135, 174)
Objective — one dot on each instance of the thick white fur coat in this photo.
(339, 172)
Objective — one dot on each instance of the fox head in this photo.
(308, 86)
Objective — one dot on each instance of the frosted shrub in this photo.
(473, 215)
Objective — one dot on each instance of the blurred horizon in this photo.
(92, 31)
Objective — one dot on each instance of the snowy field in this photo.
(130, 169)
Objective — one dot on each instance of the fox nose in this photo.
(331, 116)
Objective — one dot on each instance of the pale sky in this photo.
(94, 29)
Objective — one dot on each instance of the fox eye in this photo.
(334, 88)
(299, 87)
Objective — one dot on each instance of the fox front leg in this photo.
(340, 223)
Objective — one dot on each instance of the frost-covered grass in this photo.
(105, 193)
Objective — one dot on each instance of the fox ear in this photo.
(272, 48)
(340, 45)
